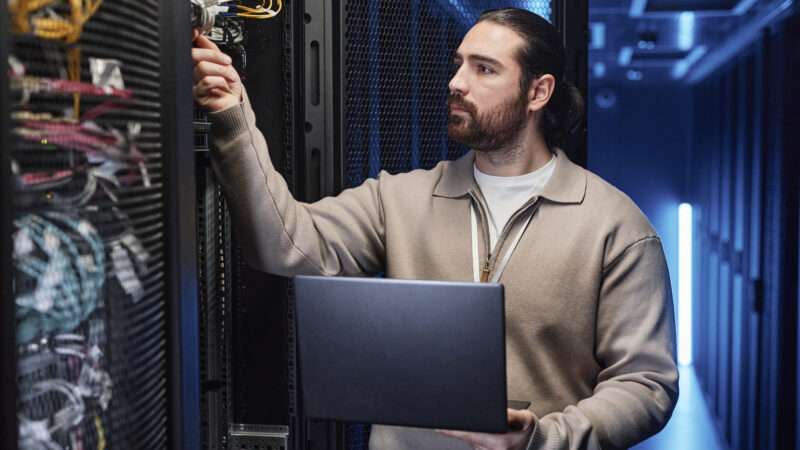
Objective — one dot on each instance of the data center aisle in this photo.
(691, 426)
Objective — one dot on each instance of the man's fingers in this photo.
(205, 68)
(204, 54)
(520, 419)
(474, 439)
(204, 42)
(219, 92)
(209, 84)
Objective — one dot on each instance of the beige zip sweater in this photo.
(590, 332)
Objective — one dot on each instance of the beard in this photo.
(490, 131)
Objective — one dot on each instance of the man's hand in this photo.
(216, 84)
(521, 420)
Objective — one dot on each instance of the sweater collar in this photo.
(567, 185)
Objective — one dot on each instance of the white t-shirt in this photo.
(505, 195)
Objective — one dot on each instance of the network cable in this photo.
(205, 12)
(37, 17)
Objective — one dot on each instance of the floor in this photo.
(691, 425)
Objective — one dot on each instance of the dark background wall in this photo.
(640, 144)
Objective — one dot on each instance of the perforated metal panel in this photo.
(237, 375)
(89, 226)
(215, 260)
(398, 64)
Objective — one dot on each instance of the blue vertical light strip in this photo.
(415, 87)
(685, 284)
(373, 20)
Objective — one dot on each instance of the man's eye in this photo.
(483, 68)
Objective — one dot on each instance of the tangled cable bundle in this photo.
(68, 268)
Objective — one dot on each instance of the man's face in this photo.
(488, 109)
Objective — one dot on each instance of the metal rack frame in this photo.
(8, 352)
(177, 140)
(571, 17)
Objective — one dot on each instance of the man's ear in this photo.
(540, 92)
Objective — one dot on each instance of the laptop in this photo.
(403, 352)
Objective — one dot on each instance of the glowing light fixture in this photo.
(599, 69)
(744, 36)
(625, 56)
(598, 34)
(682, 67)
(743, 6)
(686, 23)
(685, 284)
(634, 75)
(637, 8)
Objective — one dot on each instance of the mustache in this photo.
(458, 101)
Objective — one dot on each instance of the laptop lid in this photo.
(402, 352)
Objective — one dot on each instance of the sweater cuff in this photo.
(229, 123)
(540, 440)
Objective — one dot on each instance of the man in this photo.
(590, 333)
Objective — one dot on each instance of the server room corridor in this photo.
(688, 104)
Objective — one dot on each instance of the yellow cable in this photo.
(261, 12)
(74, 72)
(260, 8)
(101, 436)
(53, 29)
(56, 28)
(21, 11)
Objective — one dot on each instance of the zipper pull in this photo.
(485, 272)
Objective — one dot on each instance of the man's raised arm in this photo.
(341, 235)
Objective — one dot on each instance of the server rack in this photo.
(94, 351)
(244, 331)
(744, 191)
(572, 20)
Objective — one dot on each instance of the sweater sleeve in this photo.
(340, 235)
(637, 388)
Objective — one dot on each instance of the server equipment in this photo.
(243, 392)
(744, 188)
(125, 333)
(93, 296)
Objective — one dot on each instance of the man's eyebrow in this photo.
(480, 58)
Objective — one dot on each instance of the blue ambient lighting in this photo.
(637, 8)
(599, 69)
(682, 67)
(634, 75)
(685, 284)
(598, 31)
(625, 56)
(686, 22)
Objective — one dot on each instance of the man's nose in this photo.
(458, 84)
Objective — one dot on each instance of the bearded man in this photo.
(589, 320)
